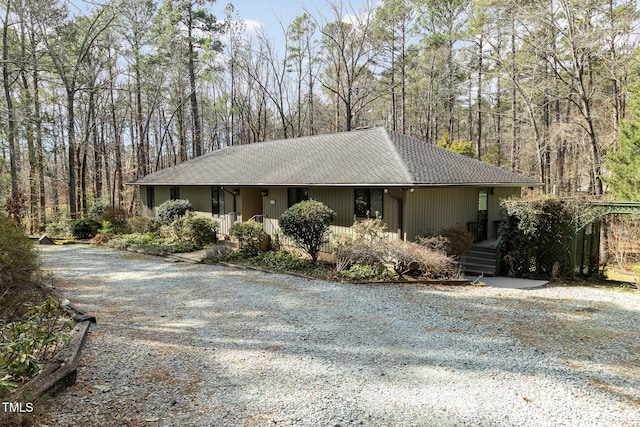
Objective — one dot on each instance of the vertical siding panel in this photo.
(429, 210)
(161, 195)
(144, 210)
(338, 199)
(199, 197)
(279, 197)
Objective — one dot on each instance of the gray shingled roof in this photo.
(370, 157)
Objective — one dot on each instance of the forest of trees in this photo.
(96, 98)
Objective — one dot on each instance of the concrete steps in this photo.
(479, 260)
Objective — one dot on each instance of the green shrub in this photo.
(151, 244)
(105, 228)
(139, 224)
(282, 261)
(535, 240)
(58, 229)
(200, 230)
(18, 268)
(96, 209)
(291, 261)
(360, 271)
(133, 240)
(175, 230)
(307, 223)
(250, 236)
(170, 210)
(154, 225)
(84, 228)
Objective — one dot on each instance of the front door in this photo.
(483, 215)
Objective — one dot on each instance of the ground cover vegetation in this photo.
(363, 254)
(175, 229)
(33, 324)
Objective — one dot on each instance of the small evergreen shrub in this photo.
(153, 225)
(307, 223)
(360, 272)
(200, 230)
(84, 228)
(170, 210)
(96, 210)
(151, 244)
(250, 235)
(282, 261)
(58, 229)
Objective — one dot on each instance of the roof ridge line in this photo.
(401, 161)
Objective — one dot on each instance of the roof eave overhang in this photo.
(337, 184)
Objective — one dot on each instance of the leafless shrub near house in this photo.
(410, 258)
(368, 246)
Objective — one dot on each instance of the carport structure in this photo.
(585, 242)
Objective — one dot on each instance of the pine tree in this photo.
(624, 162)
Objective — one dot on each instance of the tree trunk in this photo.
(11, 121)
(514, 97)
(197, 130)
(71, 147)
(479, 98)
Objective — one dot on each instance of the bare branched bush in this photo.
(414, 259)
(368, 246)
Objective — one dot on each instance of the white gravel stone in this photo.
(183, 344)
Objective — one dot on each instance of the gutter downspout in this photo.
(235, 194)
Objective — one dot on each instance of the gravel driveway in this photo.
(198, 345)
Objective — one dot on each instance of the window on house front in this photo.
(174, 193)
(151, 197)
(217, 201)
(296, 195)
(368, 202)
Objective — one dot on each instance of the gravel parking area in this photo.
(197, 345)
